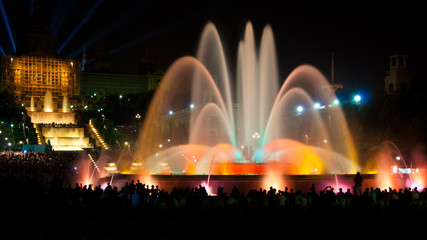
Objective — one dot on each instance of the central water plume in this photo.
(32, 105)
(65, 104)
(48, 102)
(202, 121)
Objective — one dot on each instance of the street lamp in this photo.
(300, 109)
(336, 102)
(357, 98)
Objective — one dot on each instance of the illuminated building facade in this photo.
(35, 68)
(32, 76)
(100, 83)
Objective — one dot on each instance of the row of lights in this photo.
(300, 109)
(98, 136)
(191, 106)
(94, 163)
(8, 144)
(6, 138)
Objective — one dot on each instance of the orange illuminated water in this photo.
(203, 121)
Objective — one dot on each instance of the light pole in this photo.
(357, 98)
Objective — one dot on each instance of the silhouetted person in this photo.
(313, 189)
(373, 195)
(340, 194)
(108, 190)
(132, 187)
(136, 198)
(358, 180)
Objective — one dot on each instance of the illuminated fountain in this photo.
(50, 113)
(65, 104)
(88, 170)
(48, 102)
(58, 126)
(202, 121)
(32, 107)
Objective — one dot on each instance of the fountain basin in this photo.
(248, 182)
(50, 117)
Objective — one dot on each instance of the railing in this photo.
(98, 138)
(40, 137)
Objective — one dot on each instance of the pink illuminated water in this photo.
(392, 169)
(89, 169)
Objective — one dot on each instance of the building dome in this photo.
(37, 38)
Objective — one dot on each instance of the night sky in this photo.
(360, 34)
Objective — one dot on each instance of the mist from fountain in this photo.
(90, 170)
(252, 129)
(392, 169)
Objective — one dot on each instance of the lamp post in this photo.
(357, 98)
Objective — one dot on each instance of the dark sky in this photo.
(360, 33)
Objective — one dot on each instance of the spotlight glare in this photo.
(357, 98)
(336, 102)
(87, 16)
(6, 22)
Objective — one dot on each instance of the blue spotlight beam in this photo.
(163, 30)
(59, 15)
(79, 50)
(87, 16)
(2, 51)
(30, 8)
(113, 25)
(6, 22)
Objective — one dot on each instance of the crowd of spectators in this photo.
(138, 195)
(40, 167)
(50, 169)
(33, 184)
(58, 125)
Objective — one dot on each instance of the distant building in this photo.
(146, 65)
(398, 77)
(101, 61)
(29, 76)
(96, 76)
(100, 83)
(35, 68)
